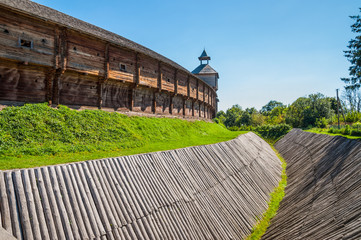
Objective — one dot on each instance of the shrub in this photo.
(346, 130)
(356, 125)
(356, 132)
(321, 122)
(233, 128)
(273, 132)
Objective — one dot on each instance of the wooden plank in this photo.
(68, 205)
(96, 222)
(4, 205)
(115, 205)
(14, 212)
(83, 203)
(31, 202)
(100, 202)
(118, 192)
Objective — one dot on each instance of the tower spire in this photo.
(204, 56)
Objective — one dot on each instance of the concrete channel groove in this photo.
(204, 192)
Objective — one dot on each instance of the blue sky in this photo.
(263, 49)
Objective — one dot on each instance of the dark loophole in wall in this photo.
(26, 43)
(122, 67)
(6, 31)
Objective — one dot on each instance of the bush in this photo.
(233, 128)
(273, 132)
(356, 133)
(346, 130)
(321, 122)
(356, 125)
(353, 116)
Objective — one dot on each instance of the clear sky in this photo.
(263, 49)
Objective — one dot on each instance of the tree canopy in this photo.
(354, 56)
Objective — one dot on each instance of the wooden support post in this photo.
(175, 82)
(193, 108)
(100, 92)
(197, 89)
(60, 62)
(56, 87)
(184, 106)
(171, 103)
(102, 81)
(137, 69)
(199, 109)
(154, 105)
(131, 96)
(188, 85)
(49, 79)
(204, 92)
(208, 94)
(160, 76)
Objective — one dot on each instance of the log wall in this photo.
(323, 195)
(204, 192)
(43, 61)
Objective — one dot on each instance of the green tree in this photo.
(353, 55)
(232, 115)
(266, 109)
(305, 111)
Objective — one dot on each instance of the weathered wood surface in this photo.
(323, 195)
(47, 56)
(204, 192)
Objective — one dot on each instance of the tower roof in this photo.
(204, 56)
(204, 69)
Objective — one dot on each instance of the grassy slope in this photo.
(37, 135)
(325, 131)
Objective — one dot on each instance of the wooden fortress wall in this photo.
(41, 61)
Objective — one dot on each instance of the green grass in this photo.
(275, 198)
(325, 131)
(37, 135)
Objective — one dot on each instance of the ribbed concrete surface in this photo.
(205, 192)
(323, 195)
